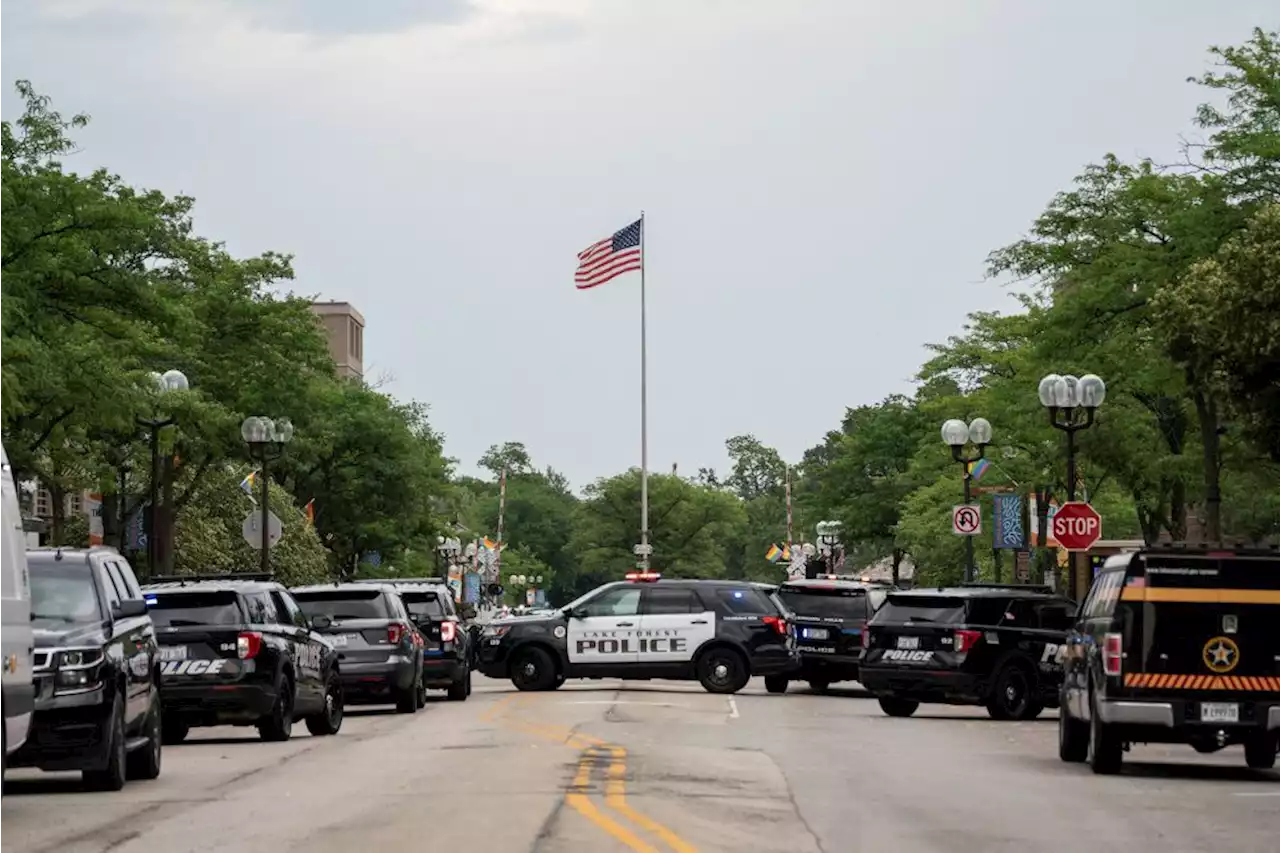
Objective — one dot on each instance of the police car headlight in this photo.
(495, 630)
(79, 658)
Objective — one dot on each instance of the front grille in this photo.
(42, 660)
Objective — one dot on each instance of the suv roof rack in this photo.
(1019, 587)
(397, 580)
(1238, 546)
(181, 580)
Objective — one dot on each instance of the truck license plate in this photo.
(815, 633)
(1219, 712)
(908, 642)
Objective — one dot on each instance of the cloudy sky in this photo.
(822, 181)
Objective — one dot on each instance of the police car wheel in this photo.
(775, 683)
(144, 763)
(722, 670)
(1013, 697)
(1106, 751)
(1073, 737)
(112, 776)
(278, 725)
(329, 720)
(895, 707)
(1260, 751)
(533, 669)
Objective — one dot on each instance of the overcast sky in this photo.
(822, 181)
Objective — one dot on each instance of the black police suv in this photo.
(720, 633)
(97, 704)
(977, 644)
(447, 651)
(237, 650)
(1175, 645)
(829, 616)
(379, 646)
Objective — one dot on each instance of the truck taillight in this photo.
(778, 623)
(965, 640)
(1112, 645)
(866, 636)
(447, 632)
(248, 645)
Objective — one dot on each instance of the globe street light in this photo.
(956, 434)
(1072, 404)
(170, 380)
(266, 439)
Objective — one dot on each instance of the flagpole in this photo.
(644, 413)
(789, 509)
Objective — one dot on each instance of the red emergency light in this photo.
(643, 576)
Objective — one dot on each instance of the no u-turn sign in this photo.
(966, 519)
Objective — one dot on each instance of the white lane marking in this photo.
(733, 709)
(1257, 793)
(627, 702)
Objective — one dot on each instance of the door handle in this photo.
(626, 624)
(699, 622)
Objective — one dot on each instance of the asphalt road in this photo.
(653, 767)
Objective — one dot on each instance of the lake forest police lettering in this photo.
(658, 641)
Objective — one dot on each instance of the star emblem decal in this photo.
(1221, 654)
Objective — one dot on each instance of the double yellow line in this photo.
(596, 754)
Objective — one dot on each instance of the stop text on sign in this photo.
(1075, 526)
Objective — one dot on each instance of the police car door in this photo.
(603, 630)
(673, 624)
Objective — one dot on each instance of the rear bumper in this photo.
(373, 682)
(441, 670)
(775, 661)
(1183, 715)
(814, 666)
(73, 736)
(217, 704)
(922, 685)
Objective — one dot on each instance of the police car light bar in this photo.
(643, 576)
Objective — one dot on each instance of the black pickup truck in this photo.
(237, 650)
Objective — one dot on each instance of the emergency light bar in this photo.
(643, 576)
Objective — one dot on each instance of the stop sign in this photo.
(1077, 526)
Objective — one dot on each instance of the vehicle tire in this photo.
(329, 720)
(533, 669)
(1106, 751)
(1013, 694)
(722, 670)
(460, 690)
(560, 680)
(145, 763)
(407, 700)
(895, 707)
(173, 731)
(278, 725)
(422, 694)
(775, 683)
(1073, 737)
(818, 685)
(112, 777)
(1260, 751)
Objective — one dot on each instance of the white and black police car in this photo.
(719, 633)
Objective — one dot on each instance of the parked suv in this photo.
(1175, 645)
(998, 645)
(447, 644)
(379, 647)
(19, 647)
(236, 649)
(97, 678)
(829, 618)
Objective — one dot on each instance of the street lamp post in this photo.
(829, 542)
(170, 380)
(957, 434)
(1065, 397)
(266, 439)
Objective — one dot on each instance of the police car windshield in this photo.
(340, 604)
(423, 605)
(176, 609)
(922, 608)
(825, 603)
(63, 593)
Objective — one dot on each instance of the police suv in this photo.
(1175, 644)
(998, 645)
(830, 614)
(719, 633)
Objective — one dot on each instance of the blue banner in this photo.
(1009, 532)
(471, 588)
(540, 598)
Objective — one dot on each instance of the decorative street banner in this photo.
(1009, 532)
(471, 588)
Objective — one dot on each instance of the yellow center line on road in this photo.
(615, 797)
(593, 750)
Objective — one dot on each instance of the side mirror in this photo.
(320, 622)
(129, 608)
(578, 613)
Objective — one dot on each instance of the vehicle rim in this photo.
(529, 670)
(721, 671)
(1015, 692)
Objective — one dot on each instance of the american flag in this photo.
(610, 257)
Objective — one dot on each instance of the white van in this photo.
(15, 620)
